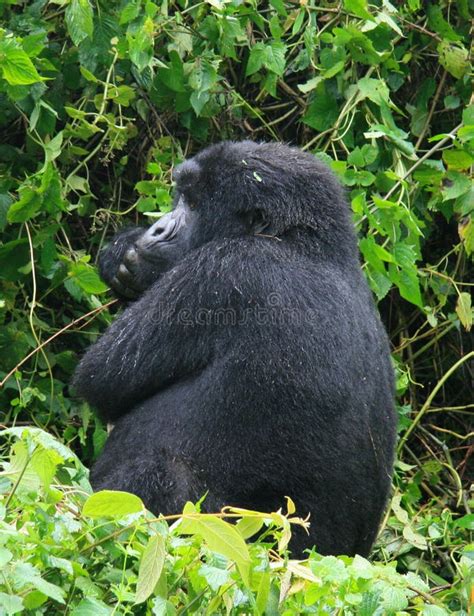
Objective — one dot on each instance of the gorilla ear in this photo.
(256, 221)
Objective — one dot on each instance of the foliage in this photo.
(63, 550)
(98, 100)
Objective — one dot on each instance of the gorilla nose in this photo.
(164, 229)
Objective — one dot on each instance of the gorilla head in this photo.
(232, 190)
(290, 395)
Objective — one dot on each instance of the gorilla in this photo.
(249, 362)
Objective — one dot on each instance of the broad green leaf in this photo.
(88, 75)
(87, 278)
(112, 504)
(215, 577)
(458, 159)
(256, 59)
(467, 521)
(455, 184)
(275, 57)
(130, 12)
(11, 604)
(394, 599)
(27, 206)
(249, 526)
(141, 45)
(17, 68)
(414, 538)
(27, 574)
(358, 7)
(199, 100)
(79, 20)
(322, 111)
(151, 566)
(91, 607)
(375, 90)
(454, 58)
(220, 536)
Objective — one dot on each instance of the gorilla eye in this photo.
(255, 220)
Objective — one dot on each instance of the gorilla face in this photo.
(234, 190)
(169, 238)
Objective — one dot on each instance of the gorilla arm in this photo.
(153, 344)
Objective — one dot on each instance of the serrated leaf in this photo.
(275, 57)
(87, 278)
(256, 59)
(151, 566)
(17, 68)
(112, 504)
(27, 206)
(79, 20)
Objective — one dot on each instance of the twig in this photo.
(93, 313)
(430, 398)
(432, 108)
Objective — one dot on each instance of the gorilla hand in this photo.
(122, 267)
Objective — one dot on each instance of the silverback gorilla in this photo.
(250, 362)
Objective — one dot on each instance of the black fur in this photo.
(255, 366)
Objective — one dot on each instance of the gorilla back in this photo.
(251, 363)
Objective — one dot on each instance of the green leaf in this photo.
(414, 539)
(359, 8)
(263, 592)
(151, 566)
(221, 537)
(256, 59)
(322, 111)
(375, 90)
(275, 57)
(437, 23)
(27, 206)
(53, 148)
(89, 607)
(458, 159)
(467, 521)
(112, 504)
(464, 310)
(79, 20)
(17, 68)
(11, 604)
(434, 610)
(454, 58)
(129, 13)
(248, 527)
(87, 278)
(455, 184)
